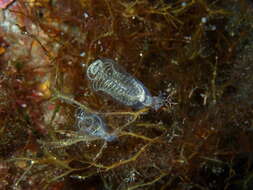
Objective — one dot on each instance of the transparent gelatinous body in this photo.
(92, 125)
(107, 76)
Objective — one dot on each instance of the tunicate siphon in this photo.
(110, 78)
(93, 125)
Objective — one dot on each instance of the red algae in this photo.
(5, 3)
(196, 53)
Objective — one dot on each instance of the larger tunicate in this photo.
(93, 125)
(107, 76)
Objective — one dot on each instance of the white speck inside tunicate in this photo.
(39, 94)
(85, 15)
(173, 61)
(188, 38)
(82, 54)
(15, 29)
(203, 19)
(183, 4)
(5, 25)
(213, 28)
(23, 105)
(33, 26)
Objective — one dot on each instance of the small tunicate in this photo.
(93, 125)
(110, 78)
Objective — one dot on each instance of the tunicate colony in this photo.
(106, 76)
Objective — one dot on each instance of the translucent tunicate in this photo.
(92, 125)
(107, 76)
